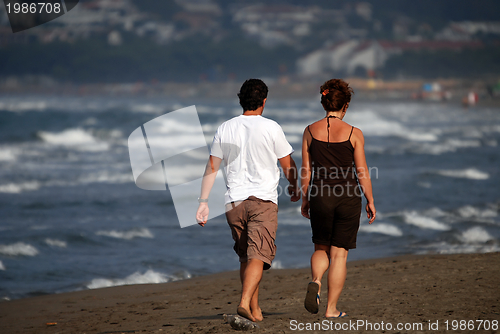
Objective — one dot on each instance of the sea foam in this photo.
(56, 243)
(472, 212)
(7, 154)
(19, 248)
(76, 138)
(414, 218)
(469, 173)
(374, 125)
(476, 235)
(16, 188)
(446, 248)
(2, 267)
(381, 228)
(127, 235)
(149, 277)
(277, 265)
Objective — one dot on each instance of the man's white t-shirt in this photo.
(250, 147)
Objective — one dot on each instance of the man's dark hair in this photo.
(252, 94)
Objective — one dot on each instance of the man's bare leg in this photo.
(254, 302)
(251, 275)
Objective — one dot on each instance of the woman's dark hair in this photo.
(252, 94)
(335, 93)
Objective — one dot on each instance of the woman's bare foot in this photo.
(245, 313)
(311, 302)
(257, 314)
(319, 283)
(335, 314)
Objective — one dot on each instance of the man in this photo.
(250, 146)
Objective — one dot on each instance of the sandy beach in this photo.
(425, 292)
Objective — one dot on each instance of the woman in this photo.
(331, 194)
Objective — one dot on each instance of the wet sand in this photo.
(423, 292)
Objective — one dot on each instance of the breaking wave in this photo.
(19, 248)
(127, 235)
(149, 277)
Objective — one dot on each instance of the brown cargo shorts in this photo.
(253, 224)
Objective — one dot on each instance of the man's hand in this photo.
(202, 214)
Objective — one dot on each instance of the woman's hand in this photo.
(202, 214)
(371, 212)
(294, 193)
(304, 210)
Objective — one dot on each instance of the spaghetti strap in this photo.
(309, 131)
(352, 128)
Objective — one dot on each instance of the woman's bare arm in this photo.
(305, 173)
(363, 172)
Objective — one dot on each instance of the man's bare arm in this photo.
(291, 174)
(207, 183)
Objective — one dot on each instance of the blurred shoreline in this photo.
(442, 90)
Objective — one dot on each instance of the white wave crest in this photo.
(446, 248)
(472, 212)
(19, 248)
(414, 218)
(106, 177)
(16, 188)
(374, 125)
(450, 145)
(148, 108)
(476, 235)
(277, 265)
(7, 154)
(149, 277)
(76, 138)
(56, 243)
(127, 235)
(382, 228)
(469, 173)
(98, 177)
(2, 267)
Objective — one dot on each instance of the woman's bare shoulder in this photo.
(357, 137)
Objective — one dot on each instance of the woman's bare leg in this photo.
(320, 260)
(336, 279)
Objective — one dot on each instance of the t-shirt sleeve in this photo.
(281, 146)
(216, 148)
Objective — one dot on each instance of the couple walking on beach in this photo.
(250, 146)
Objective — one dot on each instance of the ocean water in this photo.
(71, 217)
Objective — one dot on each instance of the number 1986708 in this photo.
(471, 325)
(34, 8)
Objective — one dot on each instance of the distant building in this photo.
(275, 24)
(345, 57)
(463, 31)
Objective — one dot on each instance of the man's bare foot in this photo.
(245, 313)
(257, 314)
